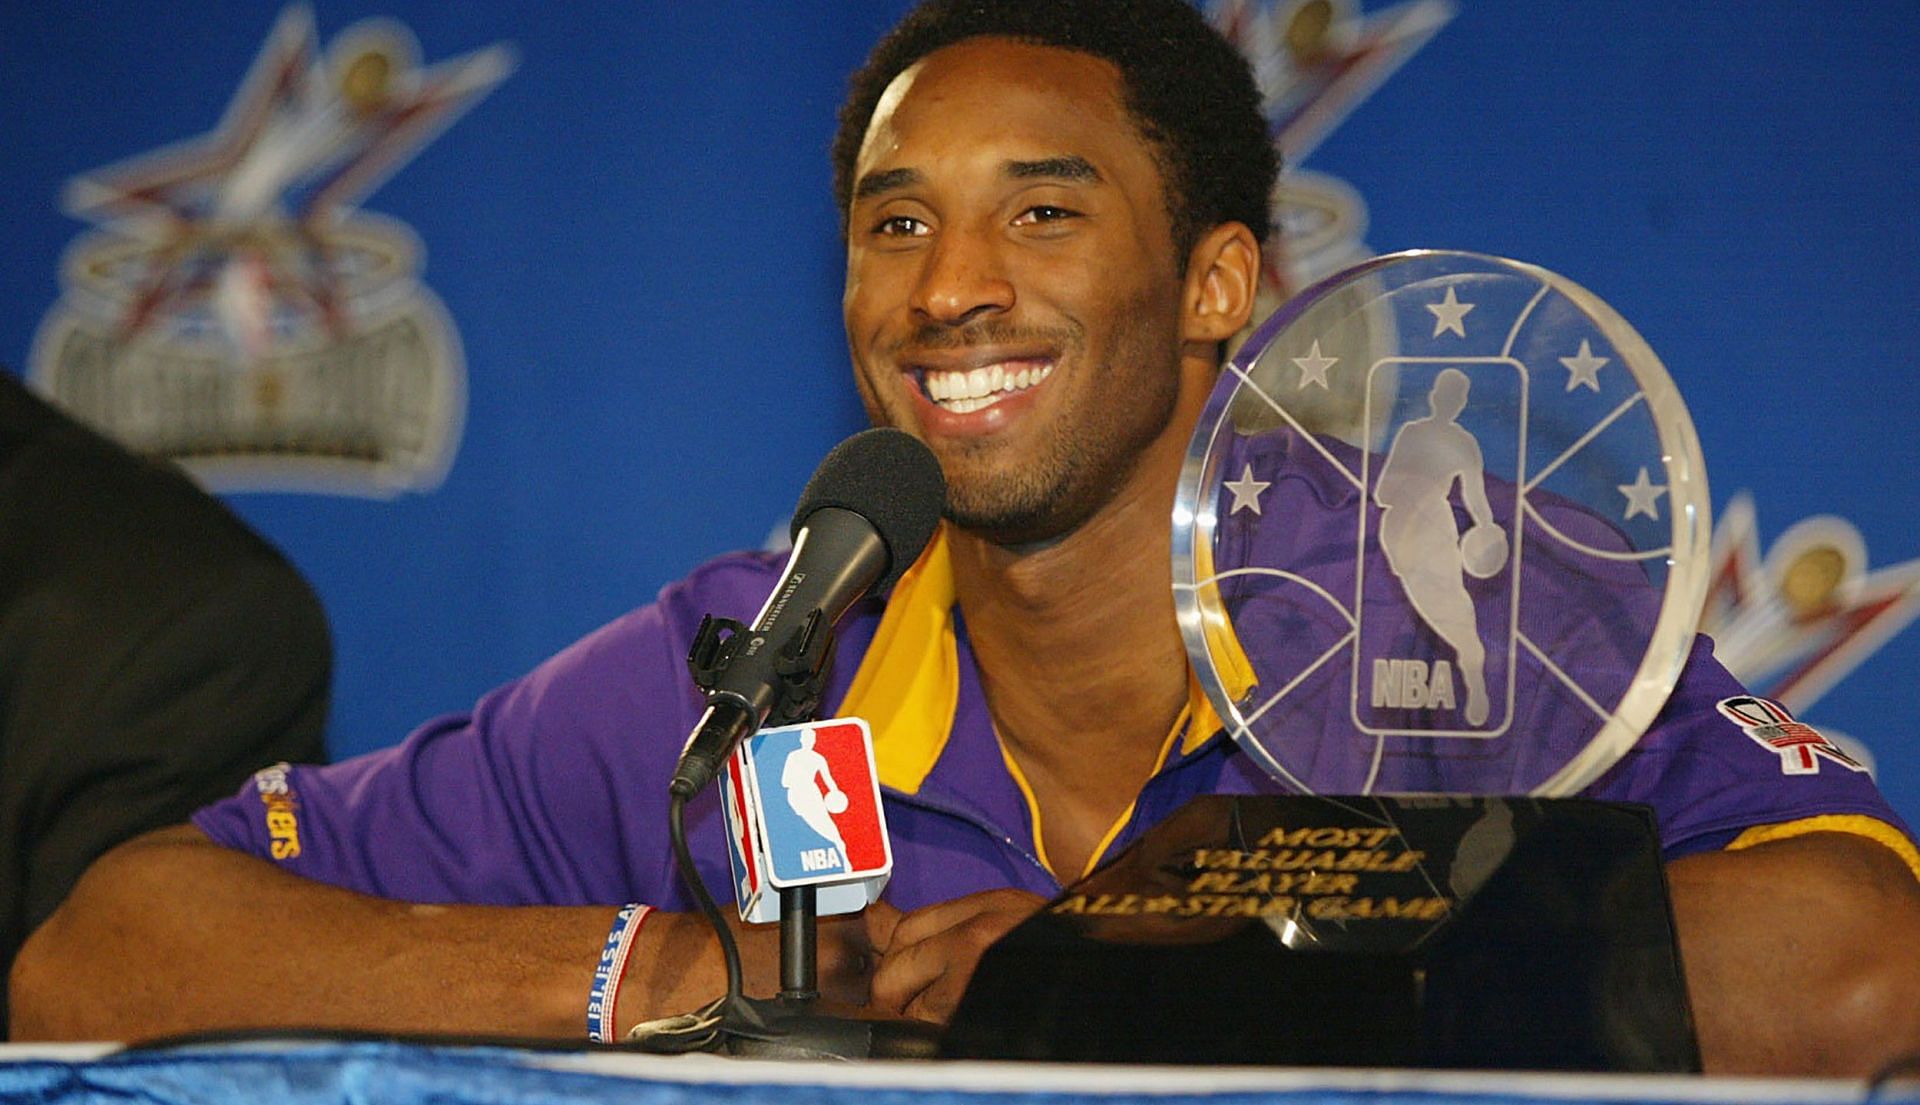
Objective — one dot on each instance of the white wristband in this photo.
(603, 999)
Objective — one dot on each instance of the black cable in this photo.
(683, 858)
(701, 1029)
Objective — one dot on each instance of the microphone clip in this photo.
(714, 644)
(799, 663)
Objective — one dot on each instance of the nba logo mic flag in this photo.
(802, 807)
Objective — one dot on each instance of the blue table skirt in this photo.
(402, 1074)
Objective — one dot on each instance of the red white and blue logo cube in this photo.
(802, 808)
(743, 852)
(819, 803)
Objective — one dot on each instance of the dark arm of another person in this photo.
(121, 734)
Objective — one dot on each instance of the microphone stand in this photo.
(786, 1026)
(799, 944)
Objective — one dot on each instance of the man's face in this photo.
(1013, 294)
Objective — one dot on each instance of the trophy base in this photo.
(1487, 933)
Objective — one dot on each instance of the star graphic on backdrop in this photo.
(1641, 496)
(1828, 630)
(1584, 369)
(300, 143)
(1450, 314)
(1316, 62)
(1246, 491)
(1313, 366)
(296, 135)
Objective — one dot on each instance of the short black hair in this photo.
(1188, 90)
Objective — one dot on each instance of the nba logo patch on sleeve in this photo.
(820, 804)
(1800, 746)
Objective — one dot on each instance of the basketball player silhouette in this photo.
(1423, 544)
(812, 793)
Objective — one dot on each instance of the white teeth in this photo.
(975, 389)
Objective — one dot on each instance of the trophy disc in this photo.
(1442, 529)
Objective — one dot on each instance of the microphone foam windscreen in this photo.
(889, 478)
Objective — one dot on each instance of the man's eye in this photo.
(1044, 213)
(899, 226)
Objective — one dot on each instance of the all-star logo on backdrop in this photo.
(234, 312)
(1793, 623)
(1315, 61)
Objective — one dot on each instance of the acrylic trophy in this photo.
(1439, 555)
(1442, 530)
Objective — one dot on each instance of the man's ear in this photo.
(1223, 275)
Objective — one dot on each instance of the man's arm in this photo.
(172, 933)
(1802, 956)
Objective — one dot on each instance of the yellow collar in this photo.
(908, 684)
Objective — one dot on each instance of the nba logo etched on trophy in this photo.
(1437, 581)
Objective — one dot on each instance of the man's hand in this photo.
(676, 965)
(928, 956)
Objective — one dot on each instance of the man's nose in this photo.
(962, 278)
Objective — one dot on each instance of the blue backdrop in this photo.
(633, 237)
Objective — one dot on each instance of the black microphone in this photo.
(865, 516)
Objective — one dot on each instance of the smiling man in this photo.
(1008, 222)
(1053, 213)
(1014, 289)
